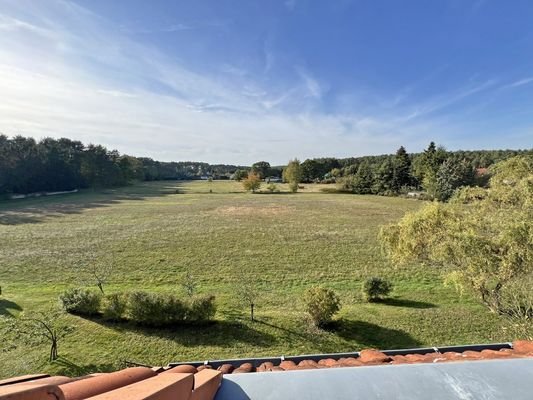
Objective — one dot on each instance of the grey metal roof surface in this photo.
(466, 380)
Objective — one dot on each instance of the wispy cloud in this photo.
(313, 87)
(65, 71)
(518, 83)
(446, 100)
(176, 27)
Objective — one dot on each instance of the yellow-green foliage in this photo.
(293, 174)
(485, 240)
(251, 182)
(321, 304)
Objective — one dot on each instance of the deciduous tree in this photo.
(252, 182)
(482, 238)
(48, 326)
(261, 168)
(293, 174)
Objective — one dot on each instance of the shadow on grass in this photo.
(215, 333)
(69, 368)
(405, 303)
(36, 210)
(371, 335)
(7, 307)
(286, 330)
(275, 193)
(235, 315)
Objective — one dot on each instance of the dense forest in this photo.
(435, 171)
(28, 166)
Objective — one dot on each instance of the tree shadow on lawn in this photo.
(69, 368)
(234, 315)
(215, 333)
(370, 335)
(405, 303)
(7, 306)
(275, 193)
(36, 210)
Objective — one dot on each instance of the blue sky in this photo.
(242, 81)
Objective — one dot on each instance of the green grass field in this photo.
(151, 233)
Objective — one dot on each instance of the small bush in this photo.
(321, 304)
(158, 310)
(114, 307)
(201, 308)
(81, 301)
(174, 309)
(376, 288)
(272, 187)
(147, 309)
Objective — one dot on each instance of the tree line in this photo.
(28, 166)
(436, 171)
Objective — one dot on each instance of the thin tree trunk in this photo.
(252, 311)
(53, 350)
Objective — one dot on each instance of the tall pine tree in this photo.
(402, 170)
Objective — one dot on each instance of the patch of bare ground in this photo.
(271, 209)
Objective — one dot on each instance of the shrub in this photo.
(160, 310)
(81, 301)
(321, 304)
(376, 288)
(293, 187)
(252, 182)
(272, 187)
(201, 308)
(147, 308)
(174, 309)
(517, 306)
(114, 307)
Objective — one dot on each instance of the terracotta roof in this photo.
(200, 381)
(138, 383)
(518, 349)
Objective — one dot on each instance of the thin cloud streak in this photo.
(519, 83)
(313, 87)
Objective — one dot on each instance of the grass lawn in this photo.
(151, 233)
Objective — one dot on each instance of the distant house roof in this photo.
(482, 171)
(502, 371)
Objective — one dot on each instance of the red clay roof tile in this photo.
(373, 356)
(523, 346)
(85, 388)
(226, 368)
(183, 369)
(52, 380)
(160, 387)
(23, 378)
(31, 392)
(206, 384)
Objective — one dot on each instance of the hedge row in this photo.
(149, 309)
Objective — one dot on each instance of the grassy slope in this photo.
(151, 233)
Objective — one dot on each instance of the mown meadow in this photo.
(151, 234)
